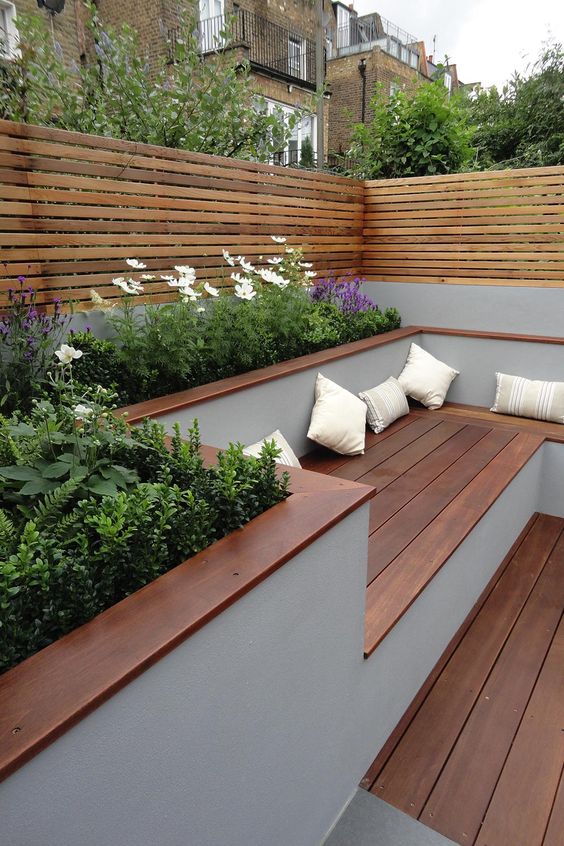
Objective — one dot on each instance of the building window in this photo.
(306, 128)
(8, 32)
(414, 60)
(296, 56)
(448, 82)
(211, 25)
(394, 88)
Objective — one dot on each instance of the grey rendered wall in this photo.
(551, 499)
(257, 730)
(478, 359)
(239, 737)
(286, 404)
(529, 311)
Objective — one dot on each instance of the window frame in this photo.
(9, 43)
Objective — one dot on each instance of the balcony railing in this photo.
(284, 53)
(370, 31)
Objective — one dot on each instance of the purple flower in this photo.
(21, 280)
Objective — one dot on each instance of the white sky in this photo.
(487, 39)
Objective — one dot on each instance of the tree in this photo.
(186, 102)
(523, 125)
(412, 134)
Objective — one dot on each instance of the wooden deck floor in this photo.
(480, 760)
(435, 478)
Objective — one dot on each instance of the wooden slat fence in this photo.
(73, 207)
(491, 228)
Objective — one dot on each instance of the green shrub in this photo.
(92, 511)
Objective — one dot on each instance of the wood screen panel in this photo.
(491, 228)
(73, 207)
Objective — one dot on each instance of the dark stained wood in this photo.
(80, 671)
(386, 503)
(405, 526)
(395, 466)
(391, 594)
(399, 731)
(553, 836)
(550, 431)
(407, 779)
(461, 795)
(203, 393)
(523, 799)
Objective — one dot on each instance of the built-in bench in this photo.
(436, 474)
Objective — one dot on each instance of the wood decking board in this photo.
(480, 761)
(402, 529)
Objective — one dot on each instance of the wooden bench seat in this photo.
(435, 476)
(549, 431)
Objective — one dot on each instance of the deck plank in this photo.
(407, 779)
(460, 798)
(386, 503)
(534, 763)
(390, 595)
(553, 836)
(401, 530)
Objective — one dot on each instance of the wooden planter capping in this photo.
(52, 690)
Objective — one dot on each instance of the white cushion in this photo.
(385, 403)
(287, 455)
(425, 378)
(529, 398)
(338, 419)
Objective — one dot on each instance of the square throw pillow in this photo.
(529, 398)
(287, 456)
(338, 419)
(425, 378)
(384, 403)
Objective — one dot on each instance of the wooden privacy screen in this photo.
(74, 207)
(494, 228)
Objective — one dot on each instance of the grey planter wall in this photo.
(529, 311)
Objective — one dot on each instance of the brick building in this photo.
(67, 26)
(367, 50)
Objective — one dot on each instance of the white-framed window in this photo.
(296, 56)
(414, 60)
(212, 24)
(306, 128)
(394, 88)
(8, 31)
(448, 82)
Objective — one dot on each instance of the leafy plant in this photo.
(523, 124)
(307, 156)
(93, 511)
(412, 134)
(183, 102)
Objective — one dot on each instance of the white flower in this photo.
(137, 265)
(245, 290)
(67, 354)
(200, 310)
(185, 270)
(228, 258)
(305, 264)
(310, 274)
(81, 411)
(147, 276)
(130, 286)
(272, 277)
(243, 280)
(169, 278)
(278, 239)
(246, 265)
(209, 289)
(188, 293)
(275, 260)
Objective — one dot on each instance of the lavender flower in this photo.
(344, 293)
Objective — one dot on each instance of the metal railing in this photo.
(370, 31)
(283, 52)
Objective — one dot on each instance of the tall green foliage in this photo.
(185, 102)
(523, 124)
(412, 134)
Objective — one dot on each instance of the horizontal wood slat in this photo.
(493, 228)
(73, 207)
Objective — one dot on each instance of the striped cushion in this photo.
(526, 398)
(287, 455)
(385, 403)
